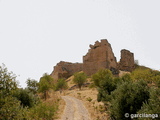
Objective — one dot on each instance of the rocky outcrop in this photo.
(66, 69)
(127, 61)
(99, 56)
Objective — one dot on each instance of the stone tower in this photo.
(126, 61)
(100, 56)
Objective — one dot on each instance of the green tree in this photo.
(26, 98)
(104, 81)
(10, 107)
(79, 79)
(61, 85)
(32, 85)
(8, 81)
(153, 104)
(128, 98)
(45, 84)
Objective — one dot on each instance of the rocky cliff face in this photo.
(99, 56)
(126, 61)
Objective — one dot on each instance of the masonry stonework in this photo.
(127, 61)
(66, 69)
(99, 56)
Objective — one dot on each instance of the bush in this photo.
(26, 98)
(89, 99)
(32, 85)
(45, 84)
(44, 111)
(153, 104)
(126, 78)
(79, 79)
(101, 75)
(61, 85)
(8, 81)
(104, 81)
(147, 74)
(128, 98)
(10, 109)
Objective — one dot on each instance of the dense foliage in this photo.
(128, 98)
(26, 98)
(137, 92)
(22, 104)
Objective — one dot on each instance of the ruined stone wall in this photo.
(126, 61)
(99, 56)
(66, 69)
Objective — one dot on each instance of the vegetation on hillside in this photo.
(137, 92)
(18, 103)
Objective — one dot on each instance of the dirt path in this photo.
(74, 109)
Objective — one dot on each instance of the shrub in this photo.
(26, 98)
(101, 75)
(10, 109)
(104, 81)
(153, 104)
(128, 98)
(79, 79)
(8, 81)
(44, 111)
(61, 85)
(45, 84)
(89, 99)
(32, 85)
(126, 78)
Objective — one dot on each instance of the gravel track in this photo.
(74, 109)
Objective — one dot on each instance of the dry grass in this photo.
(55, 97)
(121, 73)
(88, 97)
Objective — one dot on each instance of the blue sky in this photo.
(36, 34)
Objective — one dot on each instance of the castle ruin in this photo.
(99, 56)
